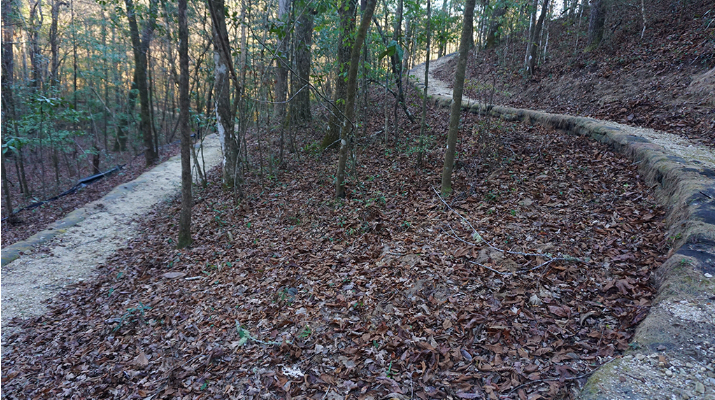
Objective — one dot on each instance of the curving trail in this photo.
(673, 352)
(40, 267)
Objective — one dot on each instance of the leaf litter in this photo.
(289, 293)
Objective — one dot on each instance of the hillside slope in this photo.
(664, 81)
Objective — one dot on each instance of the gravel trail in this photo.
(87, 238)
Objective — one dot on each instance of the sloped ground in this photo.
(665, 81)
(672, 353)
(289, 293)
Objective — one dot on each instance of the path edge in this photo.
(686, 189)
(59, 227)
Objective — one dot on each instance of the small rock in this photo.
(174, 275)
(708, 275)
(640, 357)
(699, 388)
(668, 372)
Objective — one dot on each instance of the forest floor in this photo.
(291, 293)
(105, 225)
(30, 221)
(664, 81)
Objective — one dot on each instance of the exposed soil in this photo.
(72, 256)
(290, 292)
(29, 222)
(666, 81)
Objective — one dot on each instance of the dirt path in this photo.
(673, 350)
(69, 251)
(675, 144)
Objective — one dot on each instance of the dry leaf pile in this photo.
(291, 294)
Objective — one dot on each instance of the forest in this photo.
(357, 238)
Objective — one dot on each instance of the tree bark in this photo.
(35, 24)
(408, 41)
(347, 127)
(596, 22)
(8, 106)
(120, 144)
(456, 109)
(423, 124)
(495, 22)
(281, 89)
(534, 44)
(442, 47)
(54, 43)
(223, 72)
(300, 105)
(346, 14)
(141, 46)
(186, 199)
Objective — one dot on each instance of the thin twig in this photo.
(479, 238)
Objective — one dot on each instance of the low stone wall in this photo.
(679, 332)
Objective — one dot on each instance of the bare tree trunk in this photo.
(300, 105)
(74, 56)
(534, 45)
(347, 127)
(458, 88)
(223, 72)
(346, 13)
(408, 41)
(35, 24)
(186, 199)
(281, 89)
(8, 105)
(596, 21)
(397, 66)
(532, 25)
(442, 48)
(54, 43)
(141, 46)
(423, 124)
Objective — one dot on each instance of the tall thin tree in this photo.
(8, 106)
(423, 124)
(140, 46)
(300, 105)
(533, 45)
(346, 15)
(457, 91)
(347, 127)
(596, 22)
(281, 88)
(186, 199)
(224, 74)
